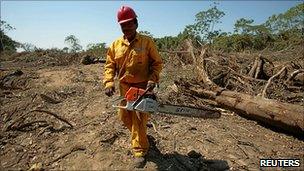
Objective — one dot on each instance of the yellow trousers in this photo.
(136, 125)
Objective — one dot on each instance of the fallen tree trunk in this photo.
(282, 115)
(285, 116)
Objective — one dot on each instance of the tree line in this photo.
(277, 32)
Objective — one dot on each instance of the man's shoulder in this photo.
(147, 39)
(118, 39)
(144, 37)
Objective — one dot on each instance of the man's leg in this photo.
(137, 127)
(140, 143)
(123, 114)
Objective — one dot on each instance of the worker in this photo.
(134, 59)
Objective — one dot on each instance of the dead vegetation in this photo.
(54, 114)
(246, 92)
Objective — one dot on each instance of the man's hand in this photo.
(110, 91)
(151, 85)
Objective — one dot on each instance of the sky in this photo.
(45, 24)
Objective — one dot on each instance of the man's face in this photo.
(128, 28)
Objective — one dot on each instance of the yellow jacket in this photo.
(135, 62)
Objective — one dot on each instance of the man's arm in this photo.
(155, 61)
(109, 68)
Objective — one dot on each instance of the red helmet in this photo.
(125, 14)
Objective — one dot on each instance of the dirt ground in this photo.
(57, 117)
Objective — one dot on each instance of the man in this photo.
(134, 59)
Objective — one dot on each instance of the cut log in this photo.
(286, 116)
(257, 69)
(253, 69)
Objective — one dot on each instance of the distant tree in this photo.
(293, 18)
(223, 42)
(73, 42)
(243, 26)
(65, 49)
(278, 32)
(97, 49)
(28, 47)
(6, 43)
(256, 36)
(287, 27)
(189, 33)
(204, 28)
(167, 42)
(5, 26)
(146, 33)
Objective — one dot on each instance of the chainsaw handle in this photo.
(141, 97)
(117, 105)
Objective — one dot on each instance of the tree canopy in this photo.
(6, 43)
(73, 42)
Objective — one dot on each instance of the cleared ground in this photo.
(39, 106)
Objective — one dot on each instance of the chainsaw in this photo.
(137, 99)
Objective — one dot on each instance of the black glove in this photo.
(151, 85)
(109, 91)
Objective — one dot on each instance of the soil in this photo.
(57, 117)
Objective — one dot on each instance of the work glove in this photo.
(109, 91)
(151, 85)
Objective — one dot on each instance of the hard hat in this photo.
(125, 14)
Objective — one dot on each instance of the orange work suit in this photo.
(134, 63)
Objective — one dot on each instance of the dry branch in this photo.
(53, 114)
(254, 66)
(167, 51)
(9, 115)
(11, 126)
(200, 64)
(111, 139)
(259, 68)
(191, 50)
(49, 99)
(73, 149)
(256, 70)
(243, 76)
(270, 79)
(30, 124)
(294, 74)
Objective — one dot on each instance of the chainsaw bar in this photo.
(188, 111)
(139, 100)
(152, 106)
